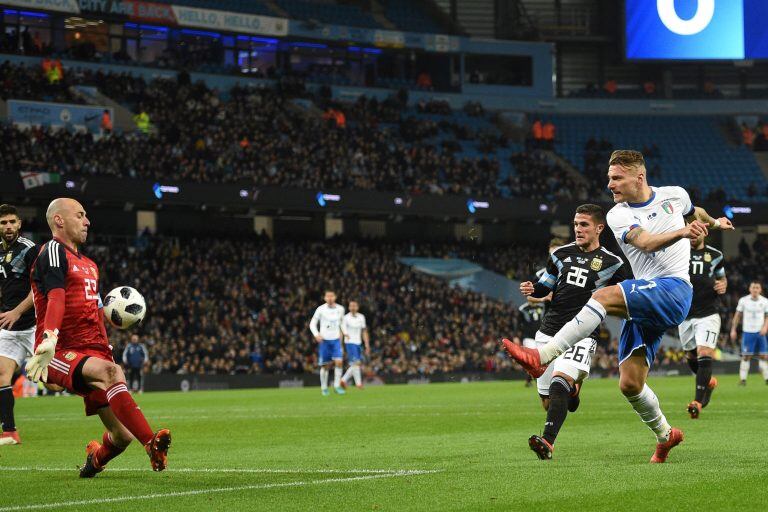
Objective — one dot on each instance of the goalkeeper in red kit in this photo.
(71, 345)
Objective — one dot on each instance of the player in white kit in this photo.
(650, 226)
(355, 332)
(326, 328)
(752, 310)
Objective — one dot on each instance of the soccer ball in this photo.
(124, 307)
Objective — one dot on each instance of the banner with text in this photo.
(38, 113)
(70, 6)
(230, 21)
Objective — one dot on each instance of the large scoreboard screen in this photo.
(696, 29)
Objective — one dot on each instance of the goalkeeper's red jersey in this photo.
(58, 266)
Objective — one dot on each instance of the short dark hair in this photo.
(627, 158)
(593, 210)
(8, 209)
(755, 281)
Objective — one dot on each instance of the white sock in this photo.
(581, 326)
(336, 377)
(358, 374)
(764, 368)
(646, 405)
(347, 374)
(323, 378)
(744, 369)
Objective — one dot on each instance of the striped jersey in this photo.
(706, 267)
(16, 263)
(573, 275)
(58, 266)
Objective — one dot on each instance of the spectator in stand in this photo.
(649, 88)
(142, 122)
(537, 133)
(548, 134)
(611, 87)
(106, 122)
(424, 81)
(747, 135)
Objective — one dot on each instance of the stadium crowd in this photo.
(244, 306)
(262, 137)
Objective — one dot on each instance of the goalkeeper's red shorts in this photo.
(65, 370)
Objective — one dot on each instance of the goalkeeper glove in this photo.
(37, 366)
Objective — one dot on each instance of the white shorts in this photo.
(700, 332)
(529, 343)
(575, 362)
(17, 345)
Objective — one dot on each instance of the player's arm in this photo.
(764, 329)
(52, 268)
(735, 321)
(342, 334)
(701, 215)
(721, 282)
(652, 242)
(344, 329)
(546, 283)
(8, 318)
(367, 341)
(314, 325)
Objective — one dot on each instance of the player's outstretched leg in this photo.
(108, 377)
(528, 358)
(608, 300)
(633, 373)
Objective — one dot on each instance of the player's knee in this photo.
(112, 374)
(630, 387)
(704, 352)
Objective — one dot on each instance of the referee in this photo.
(134, 357)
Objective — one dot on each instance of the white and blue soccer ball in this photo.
(124, 307)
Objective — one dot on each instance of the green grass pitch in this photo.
(431, 447)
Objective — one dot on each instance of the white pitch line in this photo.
(397, 472)
(177, 494)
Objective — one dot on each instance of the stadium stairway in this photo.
(470, 276)
(567, 166)
(762, 161)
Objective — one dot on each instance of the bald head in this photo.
(57, 207)
(67, 220)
